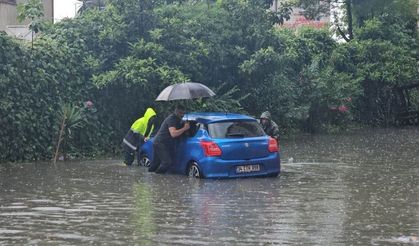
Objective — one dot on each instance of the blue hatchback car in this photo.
(222, 145)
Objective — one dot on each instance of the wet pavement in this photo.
(359, 188)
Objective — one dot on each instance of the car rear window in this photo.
(235, 129)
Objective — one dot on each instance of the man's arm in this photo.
(275, 132)
(150, 125)
(177, 132)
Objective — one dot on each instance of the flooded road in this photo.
(353, 189)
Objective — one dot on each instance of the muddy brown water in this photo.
(359, 188)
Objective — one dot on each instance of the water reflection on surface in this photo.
(360, 189)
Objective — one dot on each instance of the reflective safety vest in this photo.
(140, 125)
(140, 129)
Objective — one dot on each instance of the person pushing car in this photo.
(139, 132)
(164, 141)
(269, 126)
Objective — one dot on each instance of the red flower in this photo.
(343, 108)
(88, 104)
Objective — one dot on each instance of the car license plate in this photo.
(247, 168)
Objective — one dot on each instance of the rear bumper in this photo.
(213, 167)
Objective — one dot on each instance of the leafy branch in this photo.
(71, 117)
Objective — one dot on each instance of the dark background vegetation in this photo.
(121, 54)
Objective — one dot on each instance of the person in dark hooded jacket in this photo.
(269, 126)
(139, 132)
(164, 142)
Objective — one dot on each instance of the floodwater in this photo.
(359, 188)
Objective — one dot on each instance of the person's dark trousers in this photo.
(162, 159)
(134, 139)
(129, 155)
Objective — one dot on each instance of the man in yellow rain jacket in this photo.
(139, 132)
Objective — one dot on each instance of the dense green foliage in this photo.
(33, 84)
(120, 56)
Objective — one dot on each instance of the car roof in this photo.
(210, 117)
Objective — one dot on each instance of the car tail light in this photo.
(273, 145)
(210, 148)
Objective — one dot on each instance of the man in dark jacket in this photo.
(269, 126)
(164, 141)
(139, 132)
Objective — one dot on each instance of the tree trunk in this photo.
(60, 138)
(348, 4)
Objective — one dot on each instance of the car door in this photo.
(183, 146)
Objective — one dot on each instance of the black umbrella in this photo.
(182, 91)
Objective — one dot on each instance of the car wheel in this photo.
(193, 171)
(144, 161)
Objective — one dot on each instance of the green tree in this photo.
(90, 4)
(33, 10)
(120, 57)
(356, 12)
(386, 60)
